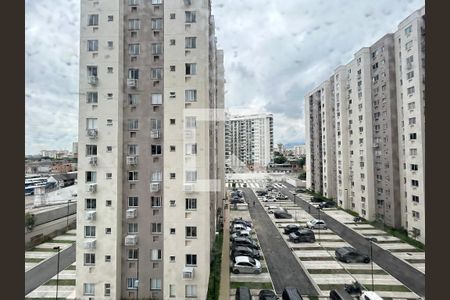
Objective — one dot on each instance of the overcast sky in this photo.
(275, 52)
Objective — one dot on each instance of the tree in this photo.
(280, 160)
(302, 176)
(302, 162)
(30, 220)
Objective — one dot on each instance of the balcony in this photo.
(92, 187)
(92, 80)
(132, 83)
(131, 240)
(91, 245)
(90, 215)
(92, 133)
(155, 134)
(132, 160)
(131, 213)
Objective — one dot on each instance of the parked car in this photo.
(241, 221)
(245, 251)
(300, 190)
(261, 193)
(243, 293)
(236, 199)
(245, 264)
(316, 224)
(240, 233)
(316, 199)
(281, 197)
(242, 241)
(291, 228)
(351, 255)
(291, 293)
(239, 227)
(267, 295)
(282, 214)
(327, 204)
(369, 295)
(302, 235)
(272, 208)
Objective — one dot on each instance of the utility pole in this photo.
(57, 270)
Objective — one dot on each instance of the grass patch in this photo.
(33, 260)
(399, 233)
(35, 249)
(61, 282)
(62, 241)
(214, 276)
(393, 241)
(343, 271)
(406, 250)
(71, 267)
(252, 285)
(317, 258)
(377, 287)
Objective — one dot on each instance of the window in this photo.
(132, 228)
(156, 228)
(191, 232)
(413, 151)
(172, 203)
(408, 45)
(172, 258)
(411, 105)
(408, 30)
(156, 48)
(172, 121)
(157, 1)
(415, 198)
(190, 42)
(133, 2)
(157, 176)
(191, 69)
(110, 18)
(156, 254)
(110, 44)
(89, 259)
(410, 75)
(90, 203)
(91, 97)
(191, 291)
(155, 284)
(191, 204)
(416, 214)
(133, 201)
(156, 201)
(172, 68)
(133, 254)
(156, 73)
(415, 183)
(157, 24)
(172, 42)
(190, 95)
(133, 73)
(412, 121)
(108, 175)
(191, 259)
(156, 99)
(191, 149)
(133, 175)
(156, 149)
(172, 175)
(91, 150)
(131, 283)
(155, 124)
(89, 289)
(107, 289)
(172, 148)
(172, 230)
(134, 24)
(110, 69)
(92, 70)
(89, 231)
(191, 176)
(108, 230)
(190, 17)
(134, 49)
(92, 45)
(133, 124)
(414, 167)
(413, 136)
(91, 177)
(411, 90)
(191, 122)
(132, 149)
(108, 203)
(92, 20)
(172, 292)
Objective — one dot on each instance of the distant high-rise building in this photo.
(249, 141)
(150, 149)
(365, 131)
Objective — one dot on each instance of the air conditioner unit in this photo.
(131, 213)
(90, 244)
(92, 80)
(92, 187)
(188, 133)
(132, 160)
(376, 145)
(92, 133)
(188, 187)
(155, 134)
(132, 82)
(154, 187)
(90, 215)
(188, 273)
(93, 160)
(131, 240)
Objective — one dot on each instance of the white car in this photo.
(316, 224)
(272, 208)
(367, 295)
(245, 264)
(241, 233)
(240, 227)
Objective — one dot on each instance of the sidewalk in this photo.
(225, 266)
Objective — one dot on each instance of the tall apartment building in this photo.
(410, 69)
(374, 148)
(150, 138)
(249, 141)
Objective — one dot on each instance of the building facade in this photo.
(378, 120)
(150, 132)
(249, 142)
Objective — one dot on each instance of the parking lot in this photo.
(316, 260)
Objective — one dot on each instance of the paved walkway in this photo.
(224, 293)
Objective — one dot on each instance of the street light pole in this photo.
(371, 240)
(319, 225)
(67, 226)
(57, 270)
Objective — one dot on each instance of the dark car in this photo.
(243, 293)
(282, 214)
(291, 228)
(241, 241)
(316, 200)
(245, 251)
(302, 235)
(327, 204)
(350, 255)
(237, 200)
(340, 294)
(267, 295)
(300, 190)
(291, 293)
(261, 193)
(243, 222)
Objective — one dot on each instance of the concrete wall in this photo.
(54, 214)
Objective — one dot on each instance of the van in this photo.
(243, 293)
(291, 293)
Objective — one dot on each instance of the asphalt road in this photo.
(284, 268)
(42, 272)
(405, 273)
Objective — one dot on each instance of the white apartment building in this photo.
(249, 141)
(378, 99)
(150, 142)
(410, 69)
